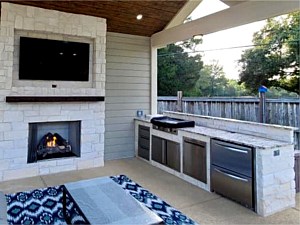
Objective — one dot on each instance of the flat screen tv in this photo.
(43, 59)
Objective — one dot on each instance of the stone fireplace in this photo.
(31, 110)
(52, 140)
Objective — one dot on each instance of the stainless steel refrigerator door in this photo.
(194, 159)
(158, 149)
(173, 155)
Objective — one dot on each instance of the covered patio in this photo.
(202, 206)
(122, 80)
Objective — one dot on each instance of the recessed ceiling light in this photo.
(139, 17)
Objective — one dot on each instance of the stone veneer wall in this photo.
(15, 117)
(275, 184)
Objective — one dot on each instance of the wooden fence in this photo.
(278, 111)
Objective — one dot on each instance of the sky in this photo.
(234, 37)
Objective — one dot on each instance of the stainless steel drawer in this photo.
(144, 132)
(233, 186)
(233, 157)
(144, 153)
(144, 143)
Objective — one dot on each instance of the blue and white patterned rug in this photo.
(169, 214)
(41, 206)
(44, 206)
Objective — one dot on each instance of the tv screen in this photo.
(43, 59)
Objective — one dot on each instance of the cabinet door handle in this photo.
(164, 151)
(231, 176)
(234, 149)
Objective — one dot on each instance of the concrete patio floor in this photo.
(200, 205)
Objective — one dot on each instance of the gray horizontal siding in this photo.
(121, 73)
(118, 113)
(119, 152)
(129, 100)
(126, 46)
(117, 134)
(127, 90)
(120, 141)
(127, 66)
(117, 93)
(136, 40)
(127, 53)
(120, 86)
(118, 127)
(128, 79)
(120, 148)
(125, 106)
(126, 59)
(119, 120)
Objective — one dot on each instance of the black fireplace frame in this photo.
(74, 133)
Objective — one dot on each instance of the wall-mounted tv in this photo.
(43, 59)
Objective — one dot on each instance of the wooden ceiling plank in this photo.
(126, 9)
(160, 5)
(148, 23)
(133, 10)
(140, 28)
(120, 15)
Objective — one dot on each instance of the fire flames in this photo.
(51, 142)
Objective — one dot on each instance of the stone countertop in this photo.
(143, 119)
(238, 138)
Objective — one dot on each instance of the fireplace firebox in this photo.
(49, 140)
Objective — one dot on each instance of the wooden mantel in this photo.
(12, 99)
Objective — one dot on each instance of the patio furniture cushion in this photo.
(3, 209)
(169, 214)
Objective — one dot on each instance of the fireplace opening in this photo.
(53, 140)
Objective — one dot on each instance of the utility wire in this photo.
(219, 49)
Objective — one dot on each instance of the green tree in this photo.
(274, 61)
(177, 69)
(218, 81)
(212, 80)
(233, 89)
(277, 92)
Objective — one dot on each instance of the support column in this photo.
(153, 80)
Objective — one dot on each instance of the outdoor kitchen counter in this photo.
(238, 138)
(273, 168)
(234, 137)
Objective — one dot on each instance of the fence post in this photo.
(262, 104)
(179, 101)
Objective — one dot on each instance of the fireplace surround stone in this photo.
(15, 117)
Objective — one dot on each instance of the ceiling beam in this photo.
(240, 14)
(185, 11)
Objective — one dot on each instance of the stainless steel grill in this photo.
(166, 129)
